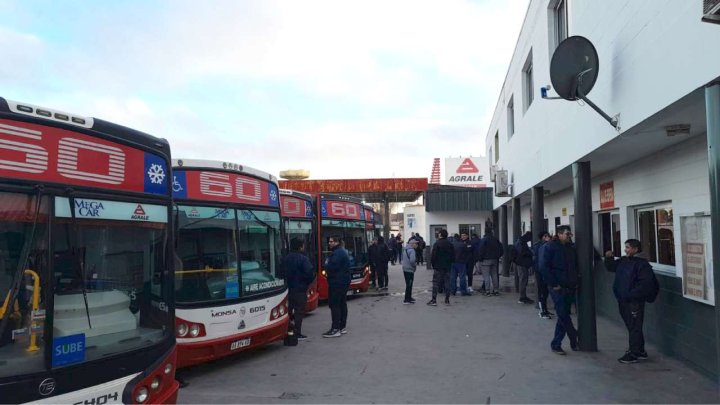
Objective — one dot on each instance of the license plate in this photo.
(350, 292)
(356, 276)
(240, 344)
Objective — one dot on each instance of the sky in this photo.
(341, 88)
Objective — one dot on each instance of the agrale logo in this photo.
(139, 214)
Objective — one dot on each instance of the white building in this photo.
(655, 60)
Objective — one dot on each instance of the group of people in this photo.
(553, 259)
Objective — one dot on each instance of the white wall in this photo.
(652, 53)
(419, 226)
(677, 175)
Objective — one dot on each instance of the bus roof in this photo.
(220, 165)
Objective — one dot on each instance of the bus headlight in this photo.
(274, 313)
(142, 395)
(282, 310)
(194, 330)
(168, 368)
(324, 273)
(182, 330)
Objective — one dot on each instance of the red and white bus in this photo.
(347, 217)
(228, 294)
(298, 218)
(86, 276)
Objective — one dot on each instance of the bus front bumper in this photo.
(190, 354)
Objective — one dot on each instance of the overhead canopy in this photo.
(369, 190)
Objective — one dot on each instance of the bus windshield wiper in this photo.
(22, 264)
(72, 246)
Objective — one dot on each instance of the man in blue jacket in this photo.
(299, 273)
(559, 270)
(489, 252)
(634, 284)
(337, 267)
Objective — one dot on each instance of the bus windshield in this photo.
(213, 241)
(107, 281)
(354, 238)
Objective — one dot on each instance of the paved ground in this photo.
(477, 350)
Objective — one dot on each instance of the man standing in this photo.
(542, 288)
(371, 256)
(337, 267)
(379, 257)
(489, 252)
(559, 270)
(399, 247)
(392, 245)
(441, 259)
(420, 251)
(299, 274)
(635, 283)
(463, 256)
(409, 266)
(523, 263)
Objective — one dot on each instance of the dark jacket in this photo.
(475, 242)
(337, 267)
(559, 265)
(463, 251)
(443, 255)
(489, 248)
(379, 256)
(537, 256)
(523, 254)
(634, 278)
(299, 273)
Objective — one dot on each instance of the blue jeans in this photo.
(458, 270)
(563, 299)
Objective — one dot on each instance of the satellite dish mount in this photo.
(574, 71)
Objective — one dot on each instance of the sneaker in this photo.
(558, 350)
(495, 293)
(470, 290)
(574, 347)
(545, 315)
(406, 302)
(412, 300)
(628, 358)
(489, 294)
(332, 333)
(343, 331)
(301, 337)
(432, 303)
(529, 301)
(447, 300)
(466, 294)
(641, 355)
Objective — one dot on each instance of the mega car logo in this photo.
(47, 386)
(139, 214)
(216, 314)
(85, 208)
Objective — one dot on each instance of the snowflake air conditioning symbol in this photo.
(156, 174)
(273, 195)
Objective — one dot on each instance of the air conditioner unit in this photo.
(493, 171)
(502, 184)
(711, 11)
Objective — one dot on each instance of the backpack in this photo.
(421, 244)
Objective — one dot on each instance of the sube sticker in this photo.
(68, 350)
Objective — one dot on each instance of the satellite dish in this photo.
(574, 68)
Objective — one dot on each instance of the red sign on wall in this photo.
(607, 195)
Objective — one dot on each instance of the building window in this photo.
(656, 233)
(561, 26)
(497, 146)
(610, 233)
(511, 117)
(470, 229)
(528, 86)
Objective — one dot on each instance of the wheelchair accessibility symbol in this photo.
(176, 185)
